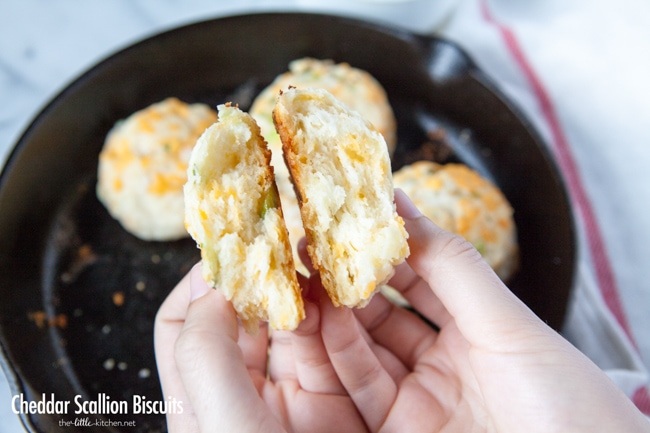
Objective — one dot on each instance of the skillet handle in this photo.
(445, 60)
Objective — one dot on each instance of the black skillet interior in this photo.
(66, 265)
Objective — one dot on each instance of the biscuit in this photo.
(355, 87)
(461, 201)
(340, 167)
(143, 167)
(233, 212)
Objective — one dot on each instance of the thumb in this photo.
(482, 307)
(211, 364)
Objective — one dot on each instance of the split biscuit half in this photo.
(340, 168)
(232, 211)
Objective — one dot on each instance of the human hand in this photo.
(492, 366)
(219, 372)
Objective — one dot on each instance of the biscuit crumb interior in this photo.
(342, 169)
(233, 214)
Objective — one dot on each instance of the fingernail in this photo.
(198, 286)
(405, 207)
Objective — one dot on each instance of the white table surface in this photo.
(44, 45)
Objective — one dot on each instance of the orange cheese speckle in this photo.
(369, 289)
(145, 125)
(118, 185)
(164, 183)
(434, 183)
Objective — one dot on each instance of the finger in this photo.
(482, 307)
(400, 331)
(300, 355)
(255, 351)
(168, 325)
(419, 295)
(391, 363)
(281, 365)
(313, 366)
(212, 366)
(416, 290)
(371, 388)
(303, 357)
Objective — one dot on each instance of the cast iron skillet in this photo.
(65, 263)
